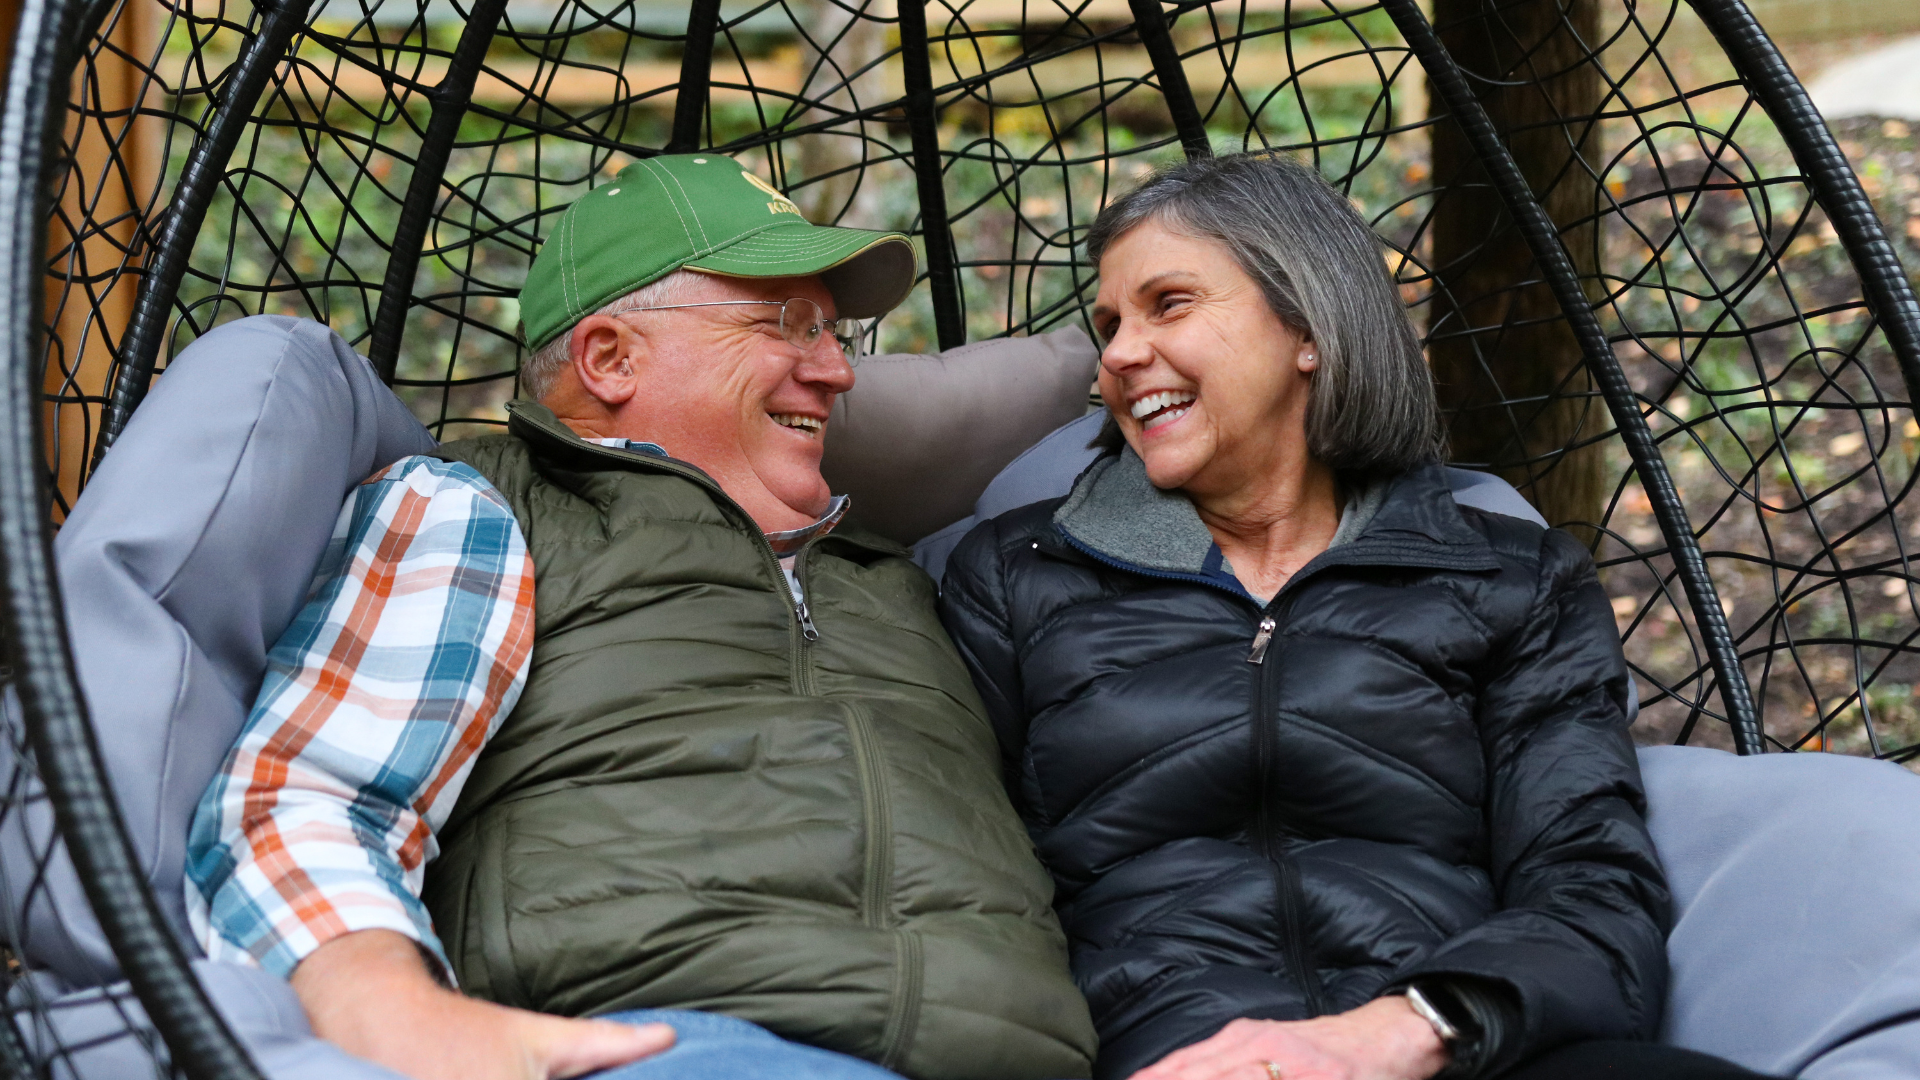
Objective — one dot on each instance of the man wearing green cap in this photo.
(684, 748)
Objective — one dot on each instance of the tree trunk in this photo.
(1509, 371)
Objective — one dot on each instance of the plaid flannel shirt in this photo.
(413, 646)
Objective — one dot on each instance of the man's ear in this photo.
(603, 350)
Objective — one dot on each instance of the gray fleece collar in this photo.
(1115, 511)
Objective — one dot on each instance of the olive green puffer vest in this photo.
(695, 805)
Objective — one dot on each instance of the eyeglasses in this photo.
(801, 323)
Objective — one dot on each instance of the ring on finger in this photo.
(1273, 1071)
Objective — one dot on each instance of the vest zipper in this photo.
(1286, 876)
(806, 633)
(903, 1014)
(903, 1006)
(802, 614)
(876, 891)
(878, 869)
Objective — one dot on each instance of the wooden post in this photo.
(1499, 350)
(101, 198)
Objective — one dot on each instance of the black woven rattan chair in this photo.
(1656, 295)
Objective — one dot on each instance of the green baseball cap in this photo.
(703, 212)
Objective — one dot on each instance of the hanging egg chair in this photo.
(1657, 299)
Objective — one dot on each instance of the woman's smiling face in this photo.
(1208, 386)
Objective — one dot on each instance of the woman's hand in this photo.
(1381, 1040)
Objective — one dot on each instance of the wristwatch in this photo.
(1458, 1027)
(1441, 1025)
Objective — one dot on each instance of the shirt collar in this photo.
(633, 445)
(788, 541)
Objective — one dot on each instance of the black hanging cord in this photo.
(696, 75)
(1151, 24)
(199, 181)
(57, 727)
(923, 127)
(450, 100)
(1556, 266)
(1888, 293)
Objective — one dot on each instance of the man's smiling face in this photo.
(721, 388)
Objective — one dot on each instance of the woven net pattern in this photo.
(1731, 305)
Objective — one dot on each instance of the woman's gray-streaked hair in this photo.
(1372, 409)
(541, 372)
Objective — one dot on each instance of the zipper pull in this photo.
(1260, 640)
(807, 629)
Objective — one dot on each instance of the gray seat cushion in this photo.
(186, 557)
(1796, 879)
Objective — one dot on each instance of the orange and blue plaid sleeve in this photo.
(412, 647)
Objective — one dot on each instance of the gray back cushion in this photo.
(918, 437)
(185, 558)
(1796, 879)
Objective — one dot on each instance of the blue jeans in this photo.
(714, 1047)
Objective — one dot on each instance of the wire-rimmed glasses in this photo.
(802, 322)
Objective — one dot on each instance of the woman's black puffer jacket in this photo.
(1420, 771)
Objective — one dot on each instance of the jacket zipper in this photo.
(1286, 876)
(1261, 637)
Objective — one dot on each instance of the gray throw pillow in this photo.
(185, 558)
(918, 437)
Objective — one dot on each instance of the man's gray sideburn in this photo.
(1372, 411)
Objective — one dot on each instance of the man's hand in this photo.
(1381, 1040)
(370, 993)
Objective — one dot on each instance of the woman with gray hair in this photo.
(1332, 774)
